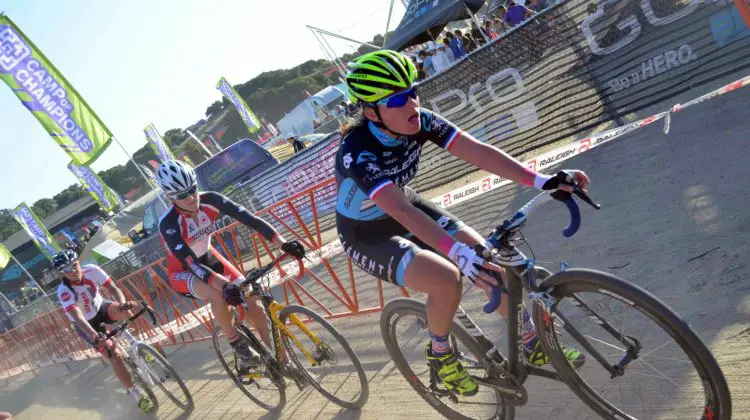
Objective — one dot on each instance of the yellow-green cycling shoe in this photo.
(537, 357)
(452, 373)
(146, 404)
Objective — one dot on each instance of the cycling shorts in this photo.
(182, 280)
(383, 247)
(102, 316)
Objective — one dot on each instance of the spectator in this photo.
(468, 42)
(517, 13)
(477, 34)
(428, 66)
(488, 30)
(297, 144)
(456, 45)
(443, 57)
(537, 5)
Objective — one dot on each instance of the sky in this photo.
(141, 62)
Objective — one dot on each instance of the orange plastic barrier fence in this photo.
(50, 338)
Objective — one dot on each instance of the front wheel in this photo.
(627, 334)
(329, 360)
(403, 324)
(263, 387)
(162, 372)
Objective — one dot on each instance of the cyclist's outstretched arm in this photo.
(494, 160)
(116, 292)
(226, 206)
(490, 159)
(84, 325)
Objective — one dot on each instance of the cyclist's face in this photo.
(403, 119)
(73, 272)
(189, 203)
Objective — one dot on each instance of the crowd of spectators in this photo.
(452, 46)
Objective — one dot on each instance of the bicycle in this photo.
(503, 377)
(318, 352)
(142, 359)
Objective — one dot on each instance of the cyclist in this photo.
(196, 269)
(397, 236)
(87, 309)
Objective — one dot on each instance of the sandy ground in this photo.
(667, 199)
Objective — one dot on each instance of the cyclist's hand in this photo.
(102, 344)
(565, 178)
(473, 265)
(294, 248)
(127, 306)
(233, 294)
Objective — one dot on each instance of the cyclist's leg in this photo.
(185, 283)
(395, 259)
(254, 313)
(116, 360)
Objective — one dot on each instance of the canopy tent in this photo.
(424, 20)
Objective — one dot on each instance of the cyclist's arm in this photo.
(226, 206)
(80, 320)
(394, 202)
(119, 296)
(490, 159)
(177, 247)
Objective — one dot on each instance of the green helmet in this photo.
(378, 74)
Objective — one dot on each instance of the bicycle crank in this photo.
(513, 394)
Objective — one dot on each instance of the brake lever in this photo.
(585, 197)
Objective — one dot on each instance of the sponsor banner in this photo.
(157, 143)
(36, 230)
(50, 97)
(5, 257)
(251, 121)
(108, 199)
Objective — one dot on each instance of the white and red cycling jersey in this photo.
(187, 240)
(85, 294)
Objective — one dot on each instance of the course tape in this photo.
(445, 200)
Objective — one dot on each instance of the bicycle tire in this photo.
(364, 385)
(405, 306)
(144, 349)
(141, 383)
(240, 385)
(570, 281)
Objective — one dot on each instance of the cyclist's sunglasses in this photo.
(397, 100)
(68, 268)
(185, 194)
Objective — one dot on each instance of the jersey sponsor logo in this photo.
(347, 160)
(178, 247)
(198, 270)
(65, 296)
(182, 275)
(387, 153)
(366, 156)
(171, 231)
(241, 209)
(372, 168)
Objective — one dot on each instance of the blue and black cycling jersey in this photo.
(368, 160)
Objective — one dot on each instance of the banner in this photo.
(108, 200)
(157, 143)
(36, 230)
(4, 257)
(50, 97)
(251, 121)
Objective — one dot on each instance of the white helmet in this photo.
(175, 177)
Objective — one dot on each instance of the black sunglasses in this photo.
(185, 194)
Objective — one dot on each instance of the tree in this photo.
(214, 109)
(44, 207)
(69, 195)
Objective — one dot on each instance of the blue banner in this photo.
(107, 198)
(157, 143)
(36, 230)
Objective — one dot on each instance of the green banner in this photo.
(50, 98)
(108, 200)
(4, 257)
(34, 227)
(251, 121)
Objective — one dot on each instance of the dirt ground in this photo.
(674, 220)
